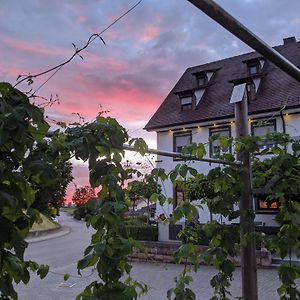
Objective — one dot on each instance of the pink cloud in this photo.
(150, 32)
(295, 21)
(33, 47)
(94, 62)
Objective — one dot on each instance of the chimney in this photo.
(289, 40)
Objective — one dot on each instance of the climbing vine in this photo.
(275, 176)
(23, 169)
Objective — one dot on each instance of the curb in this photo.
(39, 236)
(43, 232)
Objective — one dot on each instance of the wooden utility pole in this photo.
(248, 249)
(220, 15)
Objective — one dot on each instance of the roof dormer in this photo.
(203, 78)
(254, 66)
(244, 87)
(186, 99)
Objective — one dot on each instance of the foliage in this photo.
(136, 220)
(139, 190)
(83, 195)
(21, 126)
(85, 211)
(194, 234)
(276, 177)
(24, 169)
(30, 163)
(52, 194)
(100, 144)
(142, 232)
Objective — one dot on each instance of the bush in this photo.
(136, 220)
(85, 211)
(194, 234)
(200, 234)
(79, 212)
(142, 232)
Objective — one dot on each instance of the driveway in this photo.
(61, 253)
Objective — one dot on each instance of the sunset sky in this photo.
(145, 53)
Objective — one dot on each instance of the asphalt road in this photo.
(61, 254)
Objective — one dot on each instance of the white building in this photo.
(202, 104)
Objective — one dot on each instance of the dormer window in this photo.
(202, 79)
(186, 103)
(254, 68)
(255, 65)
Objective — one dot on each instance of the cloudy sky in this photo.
(145, 53)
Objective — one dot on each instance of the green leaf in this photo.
(66, 276)
(43, 271)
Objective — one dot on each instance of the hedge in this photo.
(143, 232)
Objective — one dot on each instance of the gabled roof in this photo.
(277, 89)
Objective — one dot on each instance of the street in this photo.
(61, 254)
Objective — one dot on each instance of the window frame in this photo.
(186, 106)
(178, 134)
(255, 65)
(269, 122)
(177, 190)
(213, 131)
(260, 210)
(203, 77)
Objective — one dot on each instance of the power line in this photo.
(89, 41)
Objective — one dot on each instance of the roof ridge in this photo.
(239, 55)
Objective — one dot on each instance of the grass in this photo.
(68, 210)
(45, 225)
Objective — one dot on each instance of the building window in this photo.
(202, 80)
(180, 140)
(215, 148)
(253, 69)
(263, 205)
(179, 195)
(186, 103)
(261, 129)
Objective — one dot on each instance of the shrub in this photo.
(194, 234)
(136, 220)
(142, 232)
(85, 211)
(79, 212)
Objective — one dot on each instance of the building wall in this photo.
(200, 134)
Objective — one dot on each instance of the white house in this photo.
(201, 105)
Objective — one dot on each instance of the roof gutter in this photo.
(217, 13)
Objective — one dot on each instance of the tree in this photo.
(143, 190)
(52, 195)
(22, 126)
(83, 195)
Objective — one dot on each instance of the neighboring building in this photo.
(202, 104)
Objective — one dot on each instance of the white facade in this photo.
(200, 134)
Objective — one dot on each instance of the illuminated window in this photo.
(215, 148)
(263, 205)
